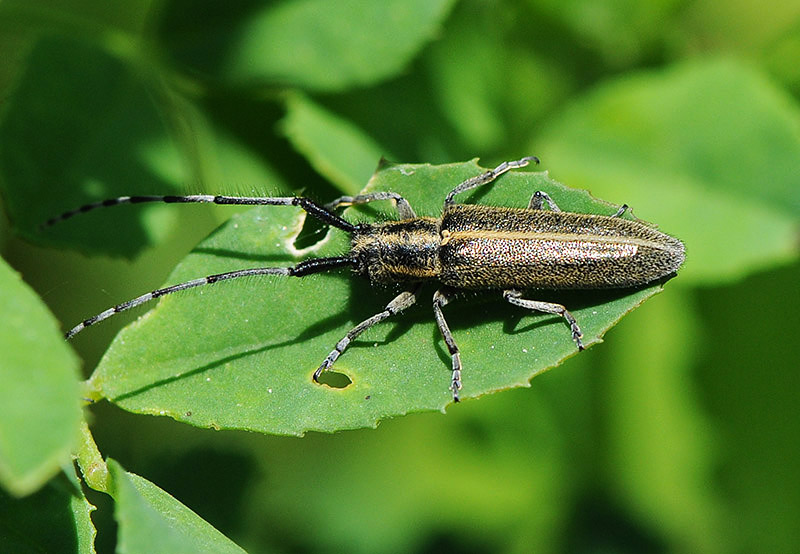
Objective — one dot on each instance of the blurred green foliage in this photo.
(680, 433)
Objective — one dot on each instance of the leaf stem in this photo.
(93, 466)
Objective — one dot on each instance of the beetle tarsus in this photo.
(455, 386)
(622, 209)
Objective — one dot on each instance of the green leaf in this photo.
(477, 505)
(330, 46)
(491, 90)
(55, 519)
(79, 126)
(622, 32)
(749, 381)
(85, 531)
(337, 149)
(150, 520)
(39, 392)
(104, 135)
(241, 354)
(743, 29)
(710, 150)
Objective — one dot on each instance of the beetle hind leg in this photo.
(540, 197)
(622, 209)
(515, 297)
(404, 209)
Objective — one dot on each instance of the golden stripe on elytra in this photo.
(447, 236)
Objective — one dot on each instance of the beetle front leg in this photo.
(398, 304)
(404, 209)
(515, 297)
(440, 299)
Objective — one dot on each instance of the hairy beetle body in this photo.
(469, 247)
(484, 247)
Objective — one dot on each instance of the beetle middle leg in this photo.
(515, 297)
(440, 299)
(489, 176)
(398, 304)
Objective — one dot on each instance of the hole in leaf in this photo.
(335, 380)
(312, 232)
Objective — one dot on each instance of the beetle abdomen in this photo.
(484, 247)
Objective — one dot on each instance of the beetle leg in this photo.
(622, 209)
(539, 198)
(398, 304)
(440, 299)
(489, 176)
(404, 209)
(515, 298)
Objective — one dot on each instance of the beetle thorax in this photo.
(398, 251)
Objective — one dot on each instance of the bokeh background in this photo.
(679, 434)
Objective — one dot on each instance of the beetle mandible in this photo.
(469, 247)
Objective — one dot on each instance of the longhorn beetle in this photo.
(469, 247)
